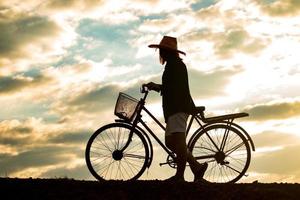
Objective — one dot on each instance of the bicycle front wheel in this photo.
(226, 151)
(105, 158)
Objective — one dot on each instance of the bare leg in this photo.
(176, 142)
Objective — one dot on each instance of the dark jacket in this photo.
(175, 92)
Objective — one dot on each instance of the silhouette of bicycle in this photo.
(123, 150)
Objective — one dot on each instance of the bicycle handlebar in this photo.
(144, 89)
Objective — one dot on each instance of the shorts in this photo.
(176, 123)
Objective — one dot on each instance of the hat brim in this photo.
(165, 47)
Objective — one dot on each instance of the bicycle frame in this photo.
(138, 119)
(195, 117)
(187, 131)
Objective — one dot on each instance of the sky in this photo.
(63, 63)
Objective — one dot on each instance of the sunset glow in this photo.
(63, 63)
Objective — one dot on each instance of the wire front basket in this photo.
(126, 107)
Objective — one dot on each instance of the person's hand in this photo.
(153, 86)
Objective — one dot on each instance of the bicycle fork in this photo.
(128, 140)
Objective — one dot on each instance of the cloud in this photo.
(98, 99)
(207, 85)
(21, 31)
(37, 157)
(226, 44)
(14, 143)
(95, 100)
(11, 84)
(281, 161)
(28, 39)
(79, 172)
(23, 135)
(274, 139)
(73, 4)
(78, 137)
(43, 76)
(17, 134)
(158, 25)
(31, 147)
(237, 40)
(93, 96)
(282, 8)
(273, 111)
(114, 11)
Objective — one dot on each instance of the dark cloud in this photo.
(79, 172)
(16, 136)
(26, 134)
(37, 157)
(104, 98)
(95, 100)
(15, 141)
(73, 4)
(281, 110)
(11, 84)
(280, 8)
(71, 137)
(16, 34)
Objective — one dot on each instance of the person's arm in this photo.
(154, 86)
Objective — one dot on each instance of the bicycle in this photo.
(123, 150)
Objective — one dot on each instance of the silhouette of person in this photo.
(177, 105)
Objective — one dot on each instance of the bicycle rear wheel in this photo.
(104, 157)
(226, 151)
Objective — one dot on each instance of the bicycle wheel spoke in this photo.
(238, 160)
(111, 136)
(126, 171)
(232, 142)
(205, 148)
(104, 157)
(232, 168)
(104, 168)
(210, 142)
(234, 148)
(118, 139)
(131, 166)
(98, 158)
(225, 166)
(100, 148)
(224, 139)
(134, 156)
(98, 153)
(104, 143)
(132, 146)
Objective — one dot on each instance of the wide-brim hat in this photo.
(168, 43)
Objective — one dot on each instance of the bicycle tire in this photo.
(106, 162)
(227, 166)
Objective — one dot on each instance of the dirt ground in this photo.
(44, 189)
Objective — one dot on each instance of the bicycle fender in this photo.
(150, 147)
(243, 131)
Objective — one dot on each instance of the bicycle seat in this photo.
(199, 109)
